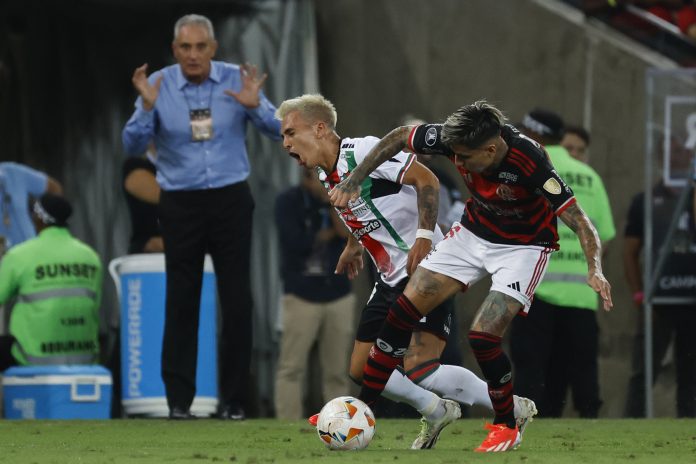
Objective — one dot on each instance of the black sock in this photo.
(389, 348)
(497, 371)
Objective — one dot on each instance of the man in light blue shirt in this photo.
(17, 184)
(197, 112)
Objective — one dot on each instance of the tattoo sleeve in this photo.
(390, 145)
(575, 218)
(428, 200)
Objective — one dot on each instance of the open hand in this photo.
(600, 285)
(248, 96)
(350, 262)
(148, 93)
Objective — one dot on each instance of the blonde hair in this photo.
(312, 107)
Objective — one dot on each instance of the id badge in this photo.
(201, 124)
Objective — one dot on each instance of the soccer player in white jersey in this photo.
(507, 231)
(394, 218)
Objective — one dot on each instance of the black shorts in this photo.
(437, 322)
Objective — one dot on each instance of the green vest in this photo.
(565, 282)
(56, 280)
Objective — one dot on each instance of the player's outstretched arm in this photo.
(349, 189)
(428, 189)
(575, 218)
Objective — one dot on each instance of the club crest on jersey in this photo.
(431, 137)
(552, 186)
(505, 192)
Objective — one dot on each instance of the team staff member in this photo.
(56, 280)
(507, 231)
(197, 111)
(557, 344)
(18, 183)
(672, 322)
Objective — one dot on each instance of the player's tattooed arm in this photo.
(428, 189)
(428, 204)
(495, 313)
(575, 218)
(390, 145)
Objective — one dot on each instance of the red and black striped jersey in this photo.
(516, 202)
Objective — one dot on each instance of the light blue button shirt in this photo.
(17, 183)
(183, 164)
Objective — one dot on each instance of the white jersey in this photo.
(385, 217)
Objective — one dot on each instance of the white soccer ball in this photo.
(346, 423)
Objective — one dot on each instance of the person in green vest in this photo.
(55, 282)
(556, 346)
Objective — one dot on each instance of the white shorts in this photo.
(516, 270)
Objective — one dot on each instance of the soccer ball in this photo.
(346, 423)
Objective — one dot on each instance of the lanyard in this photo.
(201, 119)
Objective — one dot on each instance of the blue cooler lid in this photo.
(32, 371)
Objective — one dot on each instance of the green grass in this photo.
(265, 441)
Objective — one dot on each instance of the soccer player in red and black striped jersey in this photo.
(507, 231)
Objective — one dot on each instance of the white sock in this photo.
(459, 384)
(399, 388)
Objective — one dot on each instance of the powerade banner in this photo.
(142, 328)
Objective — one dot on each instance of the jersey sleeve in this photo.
(393, 170)
(426, 139)
(546, 181)
(35, 181)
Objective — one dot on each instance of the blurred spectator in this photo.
(686, 20)
(197, 112)
(557, 345)
(17, 184)
(318, 306)
(670, 322)
(56, 281)
(678, 12)
(576, 140)
(142, 194)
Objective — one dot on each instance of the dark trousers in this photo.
(193, 223)
(553, 348)
(6, 358)
(669, 322)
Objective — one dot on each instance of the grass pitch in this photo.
(264, 441)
